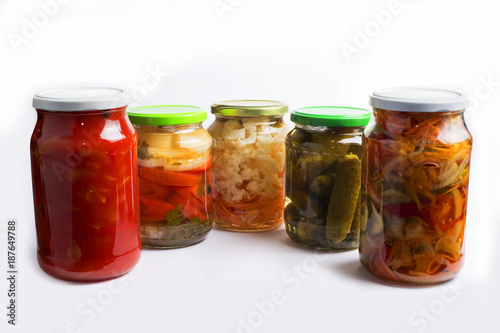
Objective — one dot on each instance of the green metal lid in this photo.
(331, 116)
(163, 115)
(249, 108)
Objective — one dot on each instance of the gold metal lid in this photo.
(249, 108)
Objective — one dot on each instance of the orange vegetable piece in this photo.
(170, 178)
(153, 210)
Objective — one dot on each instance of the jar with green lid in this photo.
(249, 164)
(175, 177)
(323, 176)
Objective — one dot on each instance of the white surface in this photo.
(182, 52)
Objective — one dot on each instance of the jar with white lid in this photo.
(84, 174)
(415, 183)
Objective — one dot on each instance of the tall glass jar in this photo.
(249, 164)
(417, 153)
(175, 175)
(323, 176)
(84, 173)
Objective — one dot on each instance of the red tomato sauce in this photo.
(85, 188)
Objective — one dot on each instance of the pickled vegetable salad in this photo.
(416, 180)
(175, 184)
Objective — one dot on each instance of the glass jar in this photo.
(84, 173)
(417, 153)
(323, 176)
(175, 175)
(249, 164)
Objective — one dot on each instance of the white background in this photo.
(269, 49)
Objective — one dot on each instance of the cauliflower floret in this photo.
(253, 187)
(250, 174)
(249, 152)
(250, 140)
(230, 188)
(233, 161)
(266, 128)
(231, 126)
(264, 140)
(237, 134)
(250, 126)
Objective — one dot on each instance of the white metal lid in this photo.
(81, 99)
(417, 99)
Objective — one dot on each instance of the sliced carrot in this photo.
(170, 178)
(264, 209)
(160, 191)
(145, 186)
(190, 207)
(190, 192)
(153, 210)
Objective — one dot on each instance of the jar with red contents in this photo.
(85, 186)
(415, 184)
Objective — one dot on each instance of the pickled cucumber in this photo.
(307, 203)
(322, 185)
(344, 198)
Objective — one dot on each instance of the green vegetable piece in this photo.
(142, 151)
(344, 198)
(333, 144)
(322, 185)
(305, 231)
(308, 167)
(175, 217)
(356, 220)
(198, 221)
(297, 136)
(308, 204)
(291, 214)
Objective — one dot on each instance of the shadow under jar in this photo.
(323, 176)
(249, 164)
(175, 175)
(417, 153)
(84, 173)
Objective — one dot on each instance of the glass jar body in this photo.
(249, 170)
(175, 184)
(84, 172)
(415, 185)
(323, 180)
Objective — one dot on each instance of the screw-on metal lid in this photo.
(249, 108)
(415, 99)
(81, 99)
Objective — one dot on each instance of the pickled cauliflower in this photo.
(250, 159)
